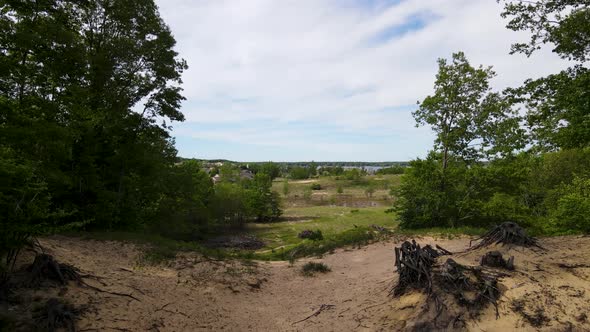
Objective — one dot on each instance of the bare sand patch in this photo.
(192, 293)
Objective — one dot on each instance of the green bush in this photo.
(572, 211)
(316, 186)
(311, 235)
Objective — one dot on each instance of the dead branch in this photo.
(317, 312)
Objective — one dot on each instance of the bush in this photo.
(391, 170)
(316, 186)
(312, 235)
(310, 268)
(299, 173)
(573, 207)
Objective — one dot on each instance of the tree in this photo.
(469, 120)
(271, 169)
(557, 105)
(87, 91)
(563, 23)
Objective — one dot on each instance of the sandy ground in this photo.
(194, 294)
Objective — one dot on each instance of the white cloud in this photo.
(318, 61)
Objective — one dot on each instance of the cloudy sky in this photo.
(327, 79)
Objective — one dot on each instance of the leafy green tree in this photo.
(556, 105)
(469, 120)
(563, 23)
(299, 173)
(87, 92)
(271, 169)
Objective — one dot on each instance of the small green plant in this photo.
(312, 235)
(310, 268)
(340, 190)
(316, 186)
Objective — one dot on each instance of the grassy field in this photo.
(330, 220)
(368, 191)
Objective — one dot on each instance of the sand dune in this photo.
(193, 293)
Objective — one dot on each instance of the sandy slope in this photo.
(194, 294)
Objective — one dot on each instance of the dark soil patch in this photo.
(235, 242)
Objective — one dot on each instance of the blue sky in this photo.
(327, 79)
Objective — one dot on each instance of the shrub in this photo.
(573, 207)
(312, 235)
(316, 186)
(310, 268)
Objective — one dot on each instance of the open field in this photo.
(330, 220)
(353, 193)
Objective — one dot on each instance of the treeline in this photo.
(521, 154)
(88, 92)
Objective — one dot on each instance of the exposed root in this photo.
(317, 312)
(56, 315)
(45, 267)
(414, 266)
(452, 288)
(506, 233)
(495, 259)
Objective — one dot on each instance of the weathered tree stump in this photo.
(495, 259)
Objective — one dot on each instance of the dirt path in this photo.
(194, 294)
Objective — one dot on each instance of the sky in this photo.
(327, 80)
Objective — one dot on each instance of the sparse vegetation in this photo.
(310, 268)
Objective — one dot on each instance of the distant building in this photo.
(216, 178)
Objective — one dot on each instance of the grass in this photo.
(330, 220)
(443, 231)
(310, 268)
(353, 192)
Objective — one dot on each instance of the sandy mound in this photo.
(548, 290)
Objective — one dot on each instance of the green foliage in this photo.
(316, 186)
(235, 203)
(331, 170)
(271, 169)
(353, 174)
(299, 173)
(370, 190)
(470, 122)
(184, 209)
(572, 210)
(391, 170)
(310, 268)
(311, 235)
(557, 109)
(563, 23)
(340, 190)
(286, 188)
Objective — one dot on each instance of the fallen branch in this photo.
(317, 312)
